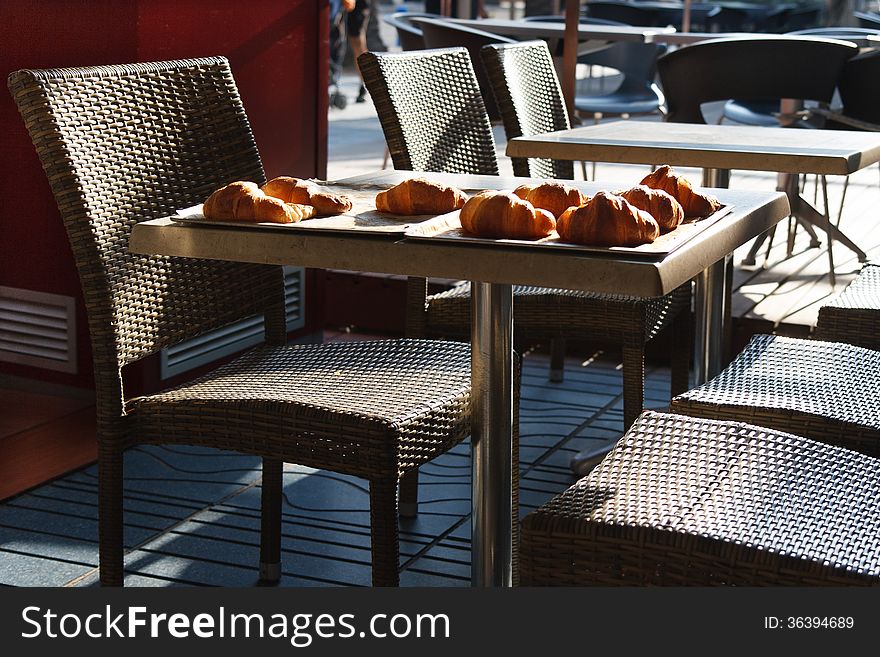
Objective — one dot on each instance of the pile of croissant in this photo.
(636, 216)
(629, 218)
(282, 200)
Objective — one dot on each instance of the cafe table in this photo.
(492, 267)
(587, 33)
(578, 38)
(717, 149)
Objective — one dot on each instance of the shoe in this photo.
(362, 95)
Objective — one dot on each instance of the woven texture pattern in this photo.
(122, 144)
(431, 110)
(169, 124)
(574, 314)
(687, 501)
(379, 407)
(826, 391)
(528, 94)
(854, 315)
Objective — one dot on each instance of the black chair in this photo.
(762, 112)
(727, 19)
(868, 20)
(637, 93)
(408, 34)
(643, 14)
(802, 18)
(439, 33)
(859, 89)
(803, 68)
(556, 45)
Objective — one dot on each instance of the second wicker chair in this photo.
(826, 391)
(853, 316)
(432, 114)
(688, 501)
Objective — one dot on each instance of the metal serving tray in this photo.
(362, 219)
(448, 228)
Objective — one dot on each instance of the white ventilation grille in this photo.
(38, 329)
(248, 332)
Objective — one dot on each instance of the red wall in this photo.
(278, 53)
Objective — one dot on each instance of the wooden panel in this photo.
(278, 52)
(51, 449)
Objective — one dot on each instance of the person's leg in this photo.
(357, 36)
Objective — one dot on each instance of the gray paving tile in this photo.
(30, 570)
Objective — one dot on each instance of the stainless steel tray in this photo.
(362, 219)
(448, 228)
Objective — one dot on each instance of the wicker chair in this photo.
(439, 33)
(431, 111)
(854, 315)
(123, 144)
(825, 391)
(524, 81)
(687, 501)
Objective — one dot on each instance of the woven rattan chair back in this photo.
(528, 94)
(446, 34)
(124, 144)
(431, 110)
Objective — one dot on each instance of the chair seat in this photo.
(687, 501)
(363, 408)
(616, 318)
(628, 102)
(854, 315)
(753, 112)
(822, 390)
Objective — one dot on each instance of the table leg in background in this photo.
(491, 434)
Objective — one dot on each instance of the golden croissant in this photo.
(503, 215)
(607, 220)
(554, 197)
(244, 201)
(694, 203)
(420, 196)
(659, 204)
(306, 192)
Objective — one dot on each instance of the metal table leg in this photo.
(491, 434)
(710, 313)
(712, 303)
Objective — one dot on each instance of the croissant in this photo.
(554, 197)
(420, 196)
(694, 203)
(244, 201)
(504, 215)
(305, 192)
(607, 220)
(664, 208)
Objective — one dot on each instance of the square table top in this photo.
(752, 214)
(783, 150)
